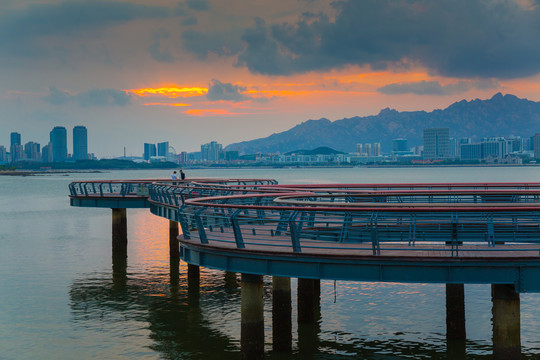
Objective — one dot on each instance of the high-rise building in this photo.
(470, 151)
(163, 149)
(536, 145)
(58, 137)
(211, 151)
(359, 149)
(400, 145)
(3, 154)
(367, 149)
(46, 153)
(436, 143)
(14, 149)
(376, 149)
(80, 143)
(32, 151)
(149, 151)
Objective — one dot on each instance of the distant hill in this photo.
(323, 150)
(502, 115)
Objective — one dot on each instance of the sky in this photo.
(194, 71)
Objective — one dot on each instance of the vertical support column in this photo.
(252, 322)
(455, 321)
(506, 322)
(193, 279)
(308, 314)
(174, 247)
(119, 232)
(281, 314)
(455, 312)
(306, 300)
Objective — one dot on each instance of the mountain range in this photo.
(502, 115)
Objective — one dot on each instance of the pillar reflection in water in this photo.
(193, 279)
(309, 314)
(252, 317)
(506, 322)
(455, 321)
(281, 314)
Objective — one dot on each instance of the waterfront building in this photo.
(376, 149)
(149, 151)
(46, 153)
(399, 145)
(436, 143)
(211, 151)
(536, 146)
(183, 157)
(471, 151)
(367, 149)
(163, 149)
(496, 147)
(3, 154)
(32, 151)
(58, 138)
(359, 149)
(80, 143)
(16, 153)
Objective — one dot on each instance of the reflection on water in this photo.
(63, 296)
(147, 297)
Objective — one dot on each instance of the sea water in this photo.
(61, 299)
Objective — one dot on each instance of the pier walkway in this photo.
(439, 233)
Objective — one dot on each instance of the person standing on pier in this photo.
(182, 175)
(174, 177)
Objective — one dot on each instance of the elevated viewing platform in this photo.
(439, 233)
(452, 234)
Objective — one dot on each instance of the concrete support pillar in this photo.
(174, 246)
(306, 300)
(506, 322)
(193, 279)
(119, 232)
(252, 317)
(281, 314)
(455, 321)
(455, 311)
(230, 280)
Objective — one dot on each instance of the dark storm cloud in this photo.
(157, 50)
(460, 38)
(21, 29)
(225, 91)
(200, 5)
(190, 20)
(202, 44)
(435, 88)
(93, 97)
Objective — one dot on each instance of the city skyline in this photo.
(232, 70)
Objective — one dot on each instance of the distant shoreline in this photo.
(44, 172)
(379, 166)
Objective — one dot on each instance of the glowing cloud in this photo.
(166, 104)
(171, 92)
(210, 112)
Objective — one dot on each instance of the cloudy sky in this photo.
(193, 71)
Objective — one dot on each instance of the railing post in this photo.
(295, 233)
(237, 230)
(182, 217)
(200, 226)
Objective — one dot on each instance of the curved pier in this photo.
(487, 233)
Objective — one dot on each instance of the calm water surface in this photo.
(62, 296)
